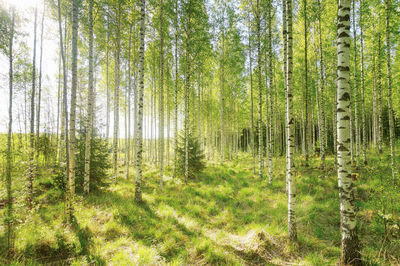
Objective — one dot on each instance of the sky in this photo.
(25, 12)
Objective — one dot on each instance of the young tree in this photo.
(350, 246)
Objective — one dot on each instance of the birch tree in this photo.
(290, 177)
(305, 81)
(65, 93)
(269, 92)
(260, 123)
(322, 130)
(9, 166)
(39, 96)
(350, 246)
(31, 174)
(355, 87)
(89, 122)
(364, 130)
(116, 90)
(251, 104)
(161, 98)
(389, 84)
(74, 70)
(139, 122)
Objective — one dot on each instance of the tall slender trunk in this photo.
(222, 99)
(168, 117)
(389, 84)
(350, 246)
(334, 115)
(58, 144)
(153, 117)
(10, 214)
(135, 97)
(65, 120)
(125, 106)
(270, 81)
(176, 91)
(306, 82)
(74, 70)
(107, 86)
(251, 106)
(187, 86)
(260, 128)
(292, 231)
(199, 129)
(318, 97)
(89, 122)
(128, 96)
(32, 169)
(39, 88)
(364, 130)
(116, 94)
(139, 122)
(357, 126)
(380, 128)
(284, 33)
(322, 140)
(161, 98)
(374, 102)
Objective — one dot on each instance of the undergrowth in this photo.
(226, 216)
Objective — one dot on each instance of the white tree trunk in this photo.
(292, 231)
(139, 133)
(350, 248)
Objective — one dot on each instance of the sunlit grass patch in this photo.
(225, 216)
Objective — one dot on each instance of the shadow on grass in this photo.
(175, 223)
(145, 225)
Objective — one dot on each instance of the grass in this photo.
(227, 216)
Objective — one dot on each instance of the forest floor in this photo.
(226, 216)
